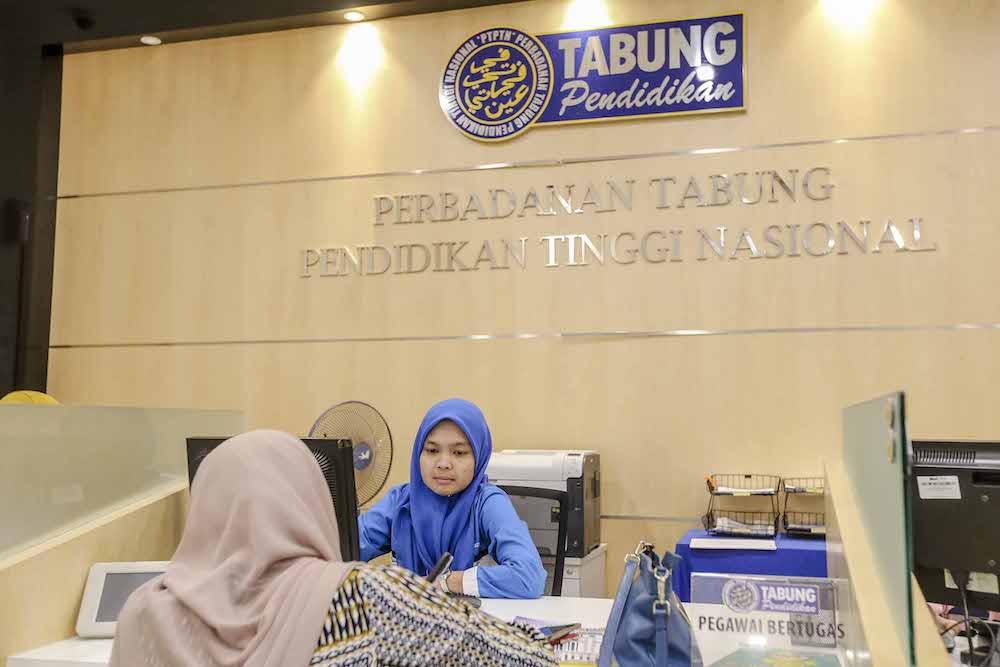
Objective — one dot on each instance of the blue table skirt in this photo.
(795, 557)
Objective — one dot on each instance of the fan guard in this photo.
(369, 432)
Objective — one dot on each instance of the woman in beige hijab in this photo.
(258, 580)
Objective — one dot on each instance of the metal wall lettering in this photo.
(789, 186)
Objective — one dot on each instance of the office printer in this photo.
(576, 472)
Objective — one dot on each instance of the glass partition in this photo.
(875, 455)
(65, 466)
(768, 620)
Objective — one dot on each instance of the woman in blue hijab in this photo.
(450, 506)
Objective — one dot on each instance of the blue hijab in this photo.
(426, 525)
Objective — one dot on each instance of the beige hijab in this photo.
(255, 571)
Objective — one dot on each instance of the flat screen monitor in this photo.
(335, 458)
(954, 490)
(108, 587)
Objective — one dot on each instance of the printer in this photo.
(577, 472)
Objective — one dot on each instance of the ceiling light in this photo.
(586, 14)
(354, 16)
(151, 40)
(851, 15)
(360, 55)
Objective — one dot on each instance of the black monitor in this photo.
(954, 490)
(335, 459)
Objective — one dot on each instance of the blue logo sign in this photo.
(496, 84)
(501, 81)
(741, 596)
(789, 598)
(745, 596)
(362, 456)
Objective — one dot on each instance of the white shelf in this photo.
(76, 652)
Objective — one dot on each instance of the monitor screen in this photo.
(954, 490)
(117, 587)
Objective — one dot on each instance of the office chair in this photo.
(562, 498)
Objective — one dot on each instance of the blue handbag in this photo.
(647, 626)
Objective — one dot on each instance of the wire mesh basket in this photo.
(815, 486)
(805, 524)
(741, 524)
(730, 484)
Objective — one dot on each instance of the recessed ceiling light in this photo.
(354, 16)
(151, 40)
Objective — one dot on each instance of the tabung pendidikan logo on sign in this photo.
(501, 81)
(746, 596)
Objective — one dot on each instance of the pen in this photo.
(442, 564)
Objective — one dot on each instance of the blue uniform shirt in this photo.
(501, 534)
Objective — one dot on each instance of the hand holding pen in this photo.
(443, 563)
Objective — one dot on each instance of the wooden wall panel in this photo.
(682, 407)
(191, 298)
(42, 592)
(277, 106)
(224, 265)
(623, 536)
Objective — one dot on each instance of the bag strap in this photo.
(617, 609)
(661, 614)
(670, 560)
(662, 648)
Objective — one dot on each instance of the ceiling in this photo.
(84, 25)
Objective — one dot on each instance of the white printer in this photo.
(577, 472)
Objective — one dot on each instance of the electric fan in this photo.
(365, 427)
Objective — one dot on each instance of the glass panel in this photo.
(764, 620)
(64, 466)
(874, 459)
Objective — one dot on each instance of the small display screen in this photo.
(117, 587)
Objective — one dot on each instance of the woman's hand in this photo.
(454, 582)
(946, 625)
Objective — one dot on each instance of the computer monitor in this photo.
(954, 490)
(336, 460)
